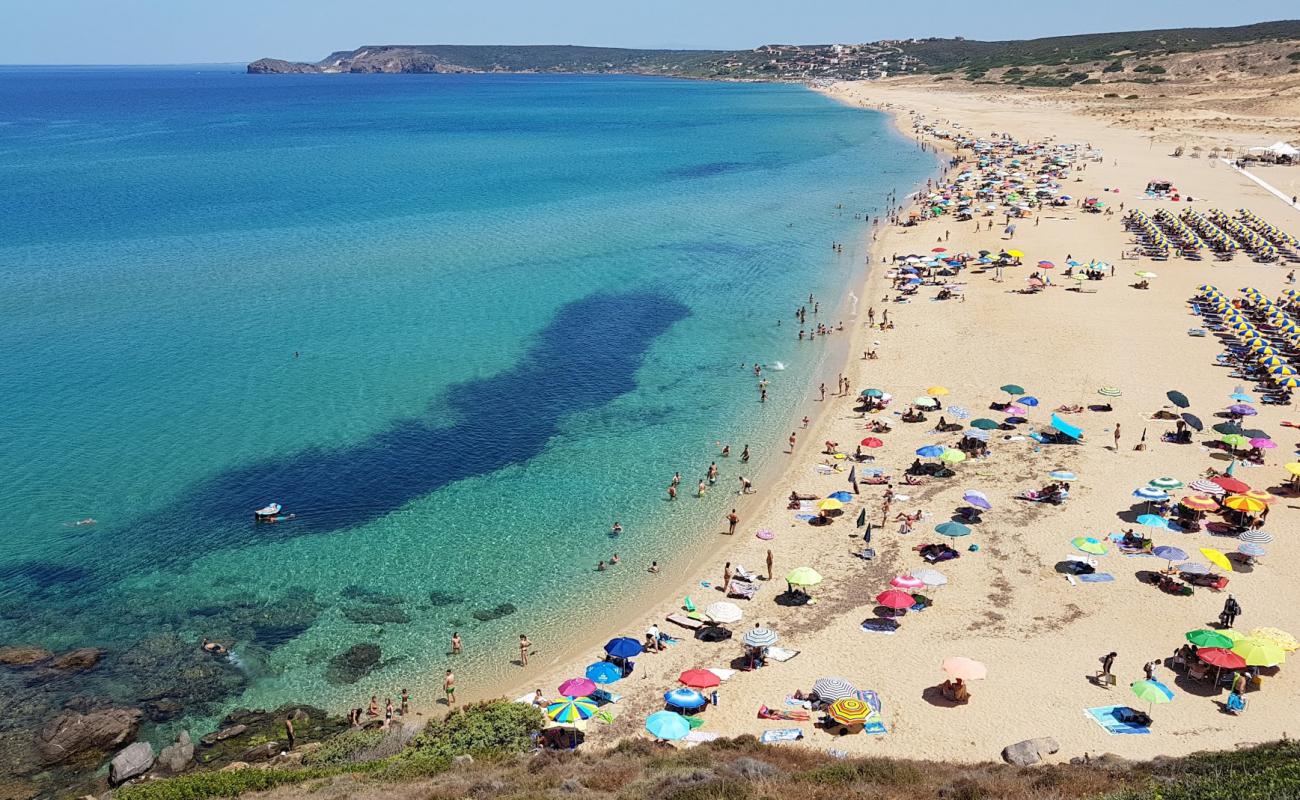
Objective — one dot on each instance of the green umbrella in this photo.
(953, 529)
(803, 576)
(1208, 638)
(1089, 544)
(985, 424)
(1166, 482)
(1152, 692)
(1011, 388)
(872, 393)
(1235, 440)
(952, 456)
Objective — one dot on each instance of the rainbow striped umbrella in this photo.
(850, 711)
(573, 709)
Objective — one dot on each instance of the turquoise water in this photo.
(518, 304)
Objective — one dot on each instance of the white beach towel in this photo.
(781, 654)
(723, 673)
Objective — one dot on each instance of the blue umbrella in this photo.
(843, 497)
(1152, 521)
(623, 647)
(1169, 553)
(1028, 401)
(604, 672)
(683, 697)
(975, 433)
(1250, 549)
(930, 451)
(667, 725)
(953, 529)
(977, 499)
(1150, 493)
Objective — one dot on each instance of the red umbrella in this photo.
(895, 599)
(872, 441)
(703, 679)
(1229, 484)
(939, 250)
(1221, 657)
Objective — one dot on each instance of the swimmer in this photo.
(214, 648)
(614, 559)
(744, 454)
(80, 522)
(654, 567)
(617, 529)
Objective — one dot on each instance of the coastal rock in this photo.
(463, 760)
(440, 599)
(234, 766)
(376, 615)
(176, 676)
(134, 760)
(82, 658)
(222, 735)
(20, 656)
(178, 756)
(261, 752)
(353, 664)
(276, 66)
(489, 614)
(70, 735)
(364, 594)
(1030, 751)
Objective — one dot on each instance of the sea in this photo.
(456, 325)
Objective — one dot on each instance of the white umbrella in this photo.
(930, 577)
(724, 612)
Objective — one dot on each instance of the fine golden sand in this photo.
(1006, 605)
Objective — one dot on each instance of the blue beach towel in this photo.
(1096, 577)
(1105, 717)
(781, 735)
(874, 728)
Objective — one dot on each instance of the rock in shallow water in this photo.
(134, 760)
(376, 615)
(76, 660)
(70, 735)
(23, 656)
(353, 664)
(489, 614)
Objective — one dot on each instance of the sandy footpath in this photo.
(1006, 605)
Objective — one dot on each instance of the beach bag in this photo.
(1236, 703)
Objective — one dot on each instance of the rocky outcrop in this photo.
(261, 752)
(353, 664)
(228, 732)
(176, 676)
(20, 656)
(386, 59)
(134, 760)
(78, 660)
(1030, 751)
(178, 756)
(72, 735)
(275, 66)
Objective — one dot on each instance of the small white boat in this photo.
(268, 511)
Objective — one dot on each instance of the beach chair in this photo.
(685, 621)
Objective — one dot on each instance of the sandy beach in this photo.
(1006, 605)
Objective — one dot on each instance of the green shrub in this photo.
(494, 727)
(344, 748)
(1268, 772)
(1090, 81)
(1294, 56)
(202, 785)
(866, 771)
(1115, 66)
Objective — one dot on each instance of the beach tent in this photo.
(1066, 428)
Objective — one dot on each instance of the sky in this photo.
(232, 31)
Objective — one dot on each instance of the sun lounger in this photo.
(781, 654)
(781, 735)
(684, 621)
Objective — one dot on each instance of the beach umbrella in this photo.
(1277, 636)
(1293, 468)
(1012, 388)
(952, 529)
(1242, 410)
(604, 672)
(1235, 440)
(803, 576)
(1221, 657)
(842, 496)
(1015, 411)
(977, 499)
(964, 668)
(1089, 544)
(925, 402)
(930, 451)
(1031, 402)
(576, 687)
(1251, 550)
(931, 577)
(699, 679)
(760, 637)
(985, 424)
(1259, 652)
(1245, 503)
(1062, 475)
(1262, 444)
(667, 725)
(850, 711)
(1216, 558)
(872, 393)
(958, 412)
(1109, 391)
(1207, 487)
(895, 599)
(1152, 692)
(1261, 495)
(1015, 254)
(1165, 482)
(1150, 493)
(832, 689)
(623, 647)
(1178, 398)
(951, 456)
(1152, 521)
(980, 436)
(685, 698)
(906, 582)
(1198, 502)
(723, 612)
(872, 441)
(1208, 638)
(1194, 569)
(1169, 553)
(1255, 537)
(937, 391)
(1193, 422)
(1144, 273)
(570, 710)
(830, 504)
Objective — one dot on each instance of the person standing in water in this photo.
(744, 454)
(455, 643)
(449, 688)
(524, 647)
(732, 521)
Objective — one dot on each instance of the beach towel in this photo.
(698, 737)
(804, 517)
(781, 654)
(723, 673)
(605, 696)
(781, 735)
(877, 625)
(1097, 577)
(874, 727)
(685, 622)
(797, 703)
(793, 715)
(1105, 717)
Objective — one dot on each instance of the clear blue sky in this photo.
(195, 31)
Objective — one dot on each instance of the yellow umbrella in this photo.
(1245, 503)
(803, 576)
(1278, 637)
(830, 504)
(1259, 652)
(1293, 468)
(1216, 558)
(937, 391)
(952, 456)
(1015, 254)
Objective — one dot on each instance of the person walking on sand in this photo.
(449, 688)
(792, 440)
(455, 643)
(1107, 668)
(524, 647)
(732, 521)
(745, 486)
(769, 565)
(823, 391)
(726, 578)
(1116, 437)
(1231, 608)
(806, 420)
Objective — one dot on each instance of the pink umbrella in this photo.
(577, 687)
(1015, 411)
(906, 582)
(1263, 444)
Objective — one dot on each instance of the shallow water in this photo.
(456, 324)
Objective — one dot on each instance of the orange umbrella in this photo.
(1262, 496)
(1198, 502)
(1245, 503)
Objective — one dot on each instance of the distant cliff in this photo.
(473, 58)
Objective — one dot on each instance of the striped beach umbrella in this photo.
(1262, 496)
(1245, 503)
(570, 710)
(1198, 502)
(1251, 550)
(685, 698)
(832, 689)
(1166, 482)
(1110, 391)
(850, 711)
(760, 637)
(1150, 493)
(1207, 487)
(906, 582)
(1255, 537)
